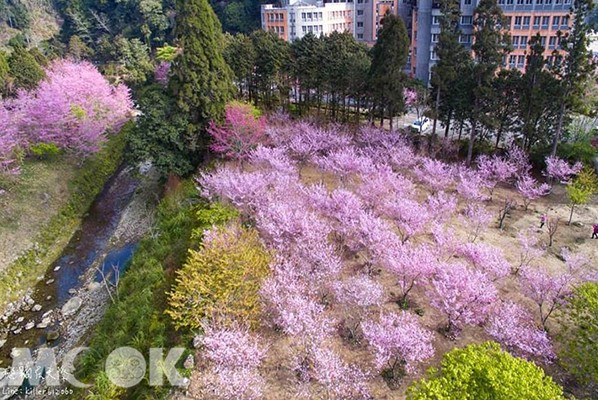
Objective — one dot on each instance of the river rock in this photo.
(17, 331)
(93, 286)
(72, 291)
(189, 362)
(52, 335)
(20, 319)
(16, 352)
(56, 268)
(48, 298)
(2, 342)
(50, 281)
(29, 300)
(36, 308)
(29, 325)
(197, 342)
(71, 306)
(45, 323)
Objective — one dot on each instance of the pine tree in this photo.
(386, 76)
(201, 81)
(453, 59)
(491, 44)
(25, 71)
(572, 65)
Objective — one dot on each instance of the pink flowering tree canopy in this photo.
(513, 327)
(560, 169)
(241, 132)
(531, 190)
(399, 341)
(464, 296)
(234, 357)
(73, 108)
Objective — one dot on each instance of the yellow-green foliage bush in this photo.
(222, 278)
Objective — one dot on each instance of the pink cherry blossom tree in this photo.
(436, 174)
(323, 374)
(73, 108)
(560, 169)
(530, 249)
(345, 163)
(520, 159)
(470, 185)
(411, 265)
(476, 219)
(485, 258)
(399, 342)
(240, 133)
(411, 217)
(494, 170)
(546, 290)
(441, 206)
(234, 357)
(462, 295)
(381, 185)
(512, 326)
(531, 190)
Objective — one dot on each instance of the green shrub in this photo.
(223, 278)
(44, 150)
(479, 147)
(485, 372)
(580, 336)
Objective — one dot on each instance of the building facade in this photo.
(295, 18)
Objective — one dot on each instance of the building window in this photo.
(359, 12)
(545, 21)
(508, 21)
(552, 42)
(467, 2)
(304, 28)
(435, 20)
(526, 21)
(543, 41)
(303, 16)
(529, 2)
(464, 38)
(523, 42)
(433, 55)
(515, 41)
(520, 61)
(518, 20)
(536, 21)
(360, 36)
(519, 2)
(548, 2)
(540, 2)
(512, 61)
(566, 1)
(501, 2)
(466, 20)
(434, 38)
(360, 24)
(558, 1)
(509, 2)
(565, 20)
(556, 20)
(320, 15)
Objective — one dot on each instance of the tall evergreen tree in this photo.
(386, 76)
(25, 71)
(271, 62)
(240, 55)
(490, 46)
(453, 60)
(307, 55)
(572, 65)
(201, 81)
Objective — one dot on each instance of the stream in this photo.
(46, 316)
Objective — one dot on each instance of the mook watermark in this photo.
(125, 367)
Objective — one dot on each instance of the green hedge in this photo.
(83, 189)
(137, 319)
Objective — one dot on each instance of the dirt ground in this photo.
(576, 236)
(29, 203)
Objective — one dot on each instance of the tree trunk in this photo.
(571, 214)
(436, 112)
(498, 135)
(448, 124)
(559, 128)
(470, 145)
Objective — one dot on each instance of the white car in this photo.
(421, 124)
